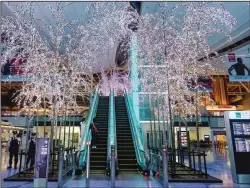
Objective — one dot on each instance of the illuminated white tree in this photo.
(168, 56)
(116, 81)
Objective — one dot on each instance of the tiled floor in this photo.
(217, 162)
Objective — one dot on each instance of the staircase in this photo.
(98, 158)
(125, 147)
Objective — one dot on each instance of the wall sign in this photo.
(238, 65)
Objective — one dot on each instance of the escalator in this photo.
(127, 162)
(98, 158)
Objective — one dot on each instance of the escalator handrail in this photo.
(87, 133)
(136, 133)
(111, 130)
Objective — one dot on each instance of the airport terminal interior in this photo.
(125, 94)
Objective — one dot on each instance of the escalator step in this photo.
(126, 144)
(123, 151)
(126, 147)
(97, 158)
(122, 161)
(100, 167)
(97, 163)
(98, 153)
(126, 156)
(127, 166)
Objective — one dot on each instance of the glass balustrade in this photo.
(86, 137)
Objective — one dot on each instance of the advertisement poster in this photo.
(204, 83)
(42, 157)
(238, 65)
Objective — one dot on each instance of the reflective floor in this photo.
(218, 165)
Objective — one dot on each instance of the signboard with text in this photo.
(238, 135)
(42, 157)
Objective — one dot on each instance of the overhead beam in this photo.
(137, 6)
(236, 93)
(246, 88)
(230, 47)
(236, 99)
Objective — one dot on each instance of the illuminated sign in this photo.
(220, 107)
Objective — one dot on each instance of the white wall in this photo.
(67, 128)
(202, 131)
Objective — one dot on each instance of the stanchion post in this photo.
(20, 163)
(165, 166)
(205, 164)
(88, 164)
(73, 161)
(112, 166)
(88, 161)
(60, 169)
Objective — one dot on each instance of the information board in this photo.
(183, 139)
(242, 145)
(241, 128)
(238, 136)
(42, 157)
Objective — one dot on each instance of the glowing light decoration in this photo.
(116, 81)
(169, 55)
(59, 68)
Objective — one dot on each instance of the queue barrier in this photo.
(180, 162)
(69, 164)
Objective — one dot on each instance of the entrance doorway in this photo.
(220, 139)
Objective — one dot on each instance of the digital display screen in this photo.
(241, 128)
(240, 133)
(242, 144)
(184, 139)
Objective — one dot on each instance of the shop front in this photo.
(219, 138)
(7, 129)
(204, 136)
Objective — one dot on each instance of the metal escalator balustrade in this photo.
(111, 133)
(98, 155)
(125, 146)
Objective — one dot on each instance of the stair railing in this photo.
(86, 138)
(136, 134)
(111, 131)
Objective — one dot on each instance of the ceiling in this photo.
(76, 10)
(240, 10)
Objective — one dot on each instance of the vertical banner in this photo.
(238, 65)
(42, 162)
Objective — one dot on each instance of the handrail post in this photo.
(193, 160)
(60, 168)
(20, 163)
(165, 166)
(112, 166)
(88, 161)
(205, 164)
(73, 160)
